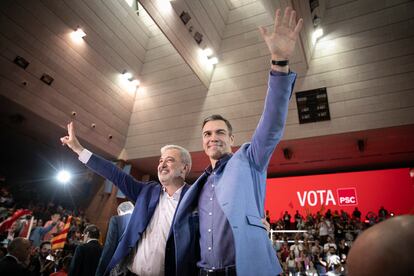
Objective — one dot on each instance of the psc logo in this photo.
(347, 196)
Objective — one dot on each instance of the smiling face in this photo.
(171, 168)
(217, 140)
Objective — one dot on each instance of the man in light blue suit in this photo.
(228, 198)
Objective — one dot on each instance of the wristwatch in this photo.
(280, 62)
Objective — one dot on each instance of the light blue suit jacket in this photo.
(240, 192)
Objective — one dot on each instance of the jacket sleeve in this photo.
(125, 182)
(269, 131)
(111, 243)
(46, 229)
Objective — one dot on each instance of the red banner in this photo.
(393, 189)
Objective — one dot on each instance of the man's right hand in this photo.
(71, 141)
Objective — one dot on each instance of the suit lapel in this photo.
(155, 197)
(189, 199)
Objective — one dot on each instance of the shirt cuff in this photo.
(278, 73)
(84, 156)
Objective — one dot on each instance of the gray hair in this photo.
(185, 155)
(125, 207)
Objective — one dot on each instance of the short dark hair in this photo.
(45, 242)
(92, 230)
(217, 117)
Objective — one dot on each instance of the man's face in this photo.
(45, 250)
(55, 217)
(171, 167)
(217, 140)
(85, 237)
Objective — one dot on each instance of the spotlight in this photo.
(135, 82)
(213, 60)
(318, 33)
(63, 176)
(208, 52)
(316, 21)
(126, 75)
(78, 35)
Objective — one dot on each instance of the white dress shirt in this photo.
(150, 253)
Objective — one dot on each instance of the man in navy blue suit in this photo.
(86, 256)
(17, 258)
(117, 226)
(142, 248)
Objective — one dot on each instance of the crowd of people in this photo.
(318, 244)
(315, 244)
(36, 225)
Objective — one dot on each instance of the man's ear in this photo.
(231, 140)
(185, 170)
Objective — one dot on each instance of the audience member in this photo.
(54, 219)
(382, 213)
(86, 257)
(117, 226)
(17, 258)
(38, 232)
(356, 214)
(40, 265)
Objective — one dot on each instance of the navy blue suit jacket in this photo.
(85, 260)
(9, 266)
(117, 226)
(146, 196)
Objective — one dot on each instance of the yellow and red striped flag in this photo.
(59, 240)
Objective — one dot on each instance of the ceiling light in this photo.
(126, 75)
(208, 52)
(318, 33)
(135, 82)
(213, 60)
(80, 33)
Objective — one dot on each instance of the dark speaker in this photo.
(361, 145)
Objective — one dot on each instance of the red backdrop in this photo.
(393, 189)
